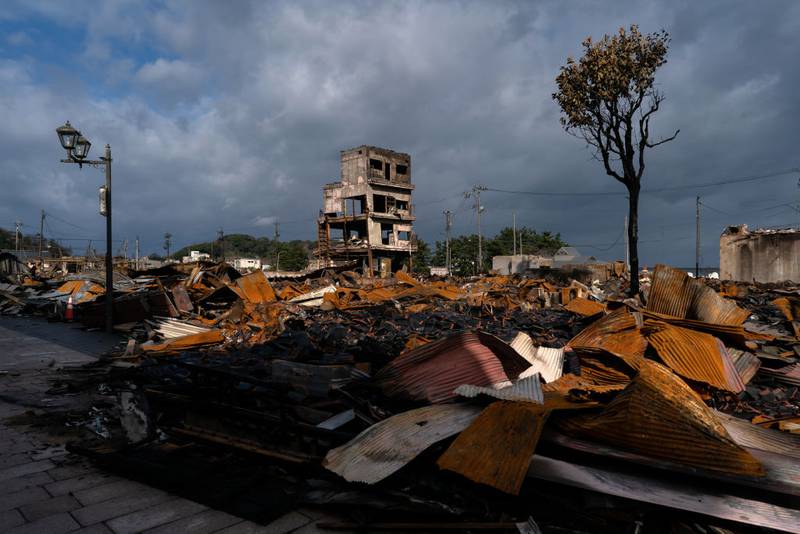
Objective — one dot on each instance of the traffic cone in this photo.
(69, 315)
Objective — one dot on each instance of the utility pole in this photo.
(221, 239)
(41, 241)
(277, 243)
(514, 233)
(17, 226)
(476, 192)
(697, 240)
(167, 242)
(137, 252)
(125, 249)
(448, 224)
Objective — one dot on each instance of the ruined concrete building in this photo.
(367, 215)
(762, 255)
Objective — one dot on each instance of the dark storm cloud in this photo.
(233, 114)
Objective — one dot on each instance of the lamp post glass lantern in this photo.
(81, 149)
(67, 136)
(77, 147)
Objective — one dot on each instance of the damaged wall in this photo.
(761, 255)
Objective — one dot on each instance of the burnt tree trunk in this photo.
(633, 236)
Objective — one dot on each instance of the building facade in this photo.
(367, 215)
(762, 255)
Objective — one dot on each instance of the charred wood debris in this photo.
(485, 404)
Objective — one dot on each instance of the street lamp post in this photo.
(77, 147)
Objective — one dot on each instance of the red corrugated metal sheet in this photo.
(496, 449)
(433, 371)
(675, 293)
(659, 416)
(694, 355)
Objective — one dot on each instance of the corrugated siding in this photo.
(790, 374)
(617, 333)
(433, 371)
(694, 355)
(385, 447)
(746, 363)
(199, 339)
(497, 448)
(548, 362)
(168, 327)
(254, 288)
(675, 293)
(658, 415)
(585, 307)
(524, 390)
(747, 434)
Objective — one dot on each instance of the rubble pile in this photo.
(489, 403)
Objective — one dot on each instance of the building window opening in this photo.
(359, 205)
(375, 164)
(387, 172)
(401, 169)
(387, 234)
(337, 234)
(404, 236)
(379, 203)
(401, 205)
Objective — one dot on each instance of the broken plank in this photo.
(666, 493)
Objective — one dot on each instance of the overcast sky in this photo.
(232, 114)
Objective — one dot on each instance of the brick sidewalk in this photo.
(46, 490)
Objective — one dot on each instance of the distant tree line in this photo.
(31, 242)
(294, 255)
(464, 249)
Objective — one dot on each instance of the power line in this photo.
(65, 221)
(775, 174)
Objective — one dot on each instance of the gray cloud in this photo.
(233, 114)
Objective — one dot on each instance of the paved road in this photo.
(46, 490)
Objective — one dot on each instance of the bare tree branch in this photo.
(668, 139)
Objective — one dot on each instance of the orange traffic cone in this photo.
(69, 315)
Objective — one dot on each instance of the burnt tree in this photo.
(607, 98)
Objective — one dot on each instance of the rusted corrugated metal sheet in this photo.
(433, 371)
(617, 333)
(747, 434)
(254, 288)
(186, 342)
(579, 388)
(675, 293)
(585, 307)
(603, 367)
(694, 355)
(523, 390)
(658, 415)
(497, 448)
(746, 363)
(387, 446)
(548, 362)
(731, 334)
(790, 374)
